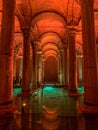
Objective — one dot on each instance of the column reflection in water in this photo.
(50, 118)
(91, 121)
(6, 121)
(25, 115)
(69, 117)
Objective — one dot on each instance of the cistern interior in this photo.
(48, 64)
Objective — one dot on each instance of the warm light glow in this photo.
(24, 104)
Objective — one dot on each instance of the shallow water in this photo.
(49, 108)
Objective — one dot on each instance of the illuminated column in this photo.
(14, 66)
(6, 55)
(31, 69)
(26, 75)
(34, 67)
(89, 52)
(18, 61)
(80, 69)
(43, 73)
(97, 60)
(61, 67)
(39, 68)
(65, 66)
(21, 66)
(72, 64)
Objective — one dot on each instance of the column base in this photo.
(65, 87)
(10, 108)
(34, 87)
(41, 85)
(26, 93)
(74, 93)
(87, 109)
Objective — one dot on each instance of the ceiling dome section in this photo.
(48, 22)
(51, 48)
(50, 44)
(50, 38)
(50, 53)
(46, 5)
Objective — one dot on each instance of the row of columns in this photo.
(89, 59)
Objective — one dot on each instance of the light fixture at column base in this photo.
(74, 93)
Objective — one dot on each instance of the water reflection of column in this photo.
(91, 122)
(70, 120)
(73, 123)
(25, 115)
(50, 119)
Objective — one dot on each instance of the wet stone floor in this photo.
(49, 108)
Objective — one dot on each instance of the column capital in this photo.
(64, 46)
(72, 31)
(25, 30)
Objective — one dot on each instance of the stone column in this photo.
(41, 70)
(61, 64)
(34, 67)
(26, 75)
(31, 68)
(37, 70)
(97, 60)
(7, 54)
(80, 69)
(60, 68)
(17, 69)
(43, 73)
(65, 66)
(89, 52)
(72, 89)
(14, 66)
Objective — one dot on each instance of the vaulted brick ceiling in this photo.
(49, 16)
